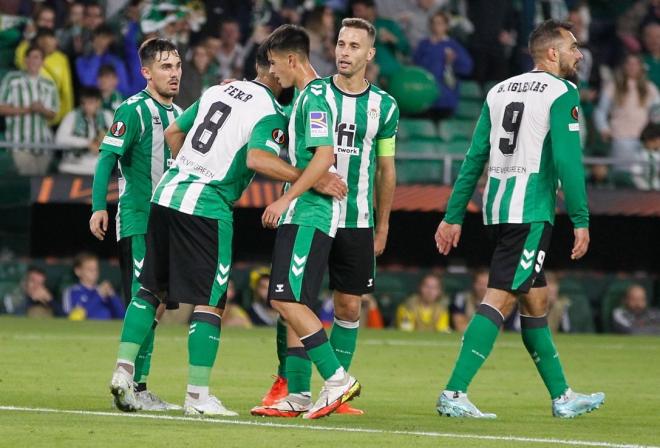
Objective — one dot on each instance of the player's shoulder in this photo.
(386, 98)
(178, 109)
(316, 88)
(132, 102)
(12, 76)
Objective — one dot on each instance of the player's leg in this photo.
(279, 388)
(141, 311)
(538, 341)
(199, 265)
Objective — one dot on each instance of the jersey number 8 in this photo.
(207, 131)
(513, 113)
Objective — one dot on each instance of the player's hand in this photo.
(105, 289)
(380, 241)
(581, 244)
(331, 184)
(447, 237)
(98, 224)
(273, 212)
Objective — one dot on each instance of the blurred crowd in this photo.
(65, 65)
(437, 304)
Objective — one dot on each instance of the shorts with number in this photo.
(188, 258)
(351, 263)
(520, 249)
(131, 260)
(300, 257)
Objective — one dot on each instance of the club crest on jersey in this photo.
(574, 113)
(279, 136)
(373, 113)
(118, 128)
(318, 124)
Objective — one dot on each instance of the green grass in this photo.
(67, 366)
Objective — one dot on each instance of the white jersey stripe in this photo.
(169, 188)
(365, 161)
(157, 143)
(190, 198)
(517, 205)
(344, 160)
(495, 212)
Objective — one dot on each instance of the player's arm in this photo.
(175, 134)
(267, 140)
(385, 177)
(449, 230)
(567, 158)
(124, 132)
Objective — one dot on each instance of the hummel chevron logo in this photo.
(138, 263)
(138, 306)
(223, 269)
(298, 265)
(223, 275)
(316, 91)
(527, 259)
(136, 273)
(222, 280)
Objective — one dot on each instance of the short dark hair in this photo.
(83, 257)
(361, 24)
(44, 32)
(106, 69)
(439, 13)
(152, 47)
(104, 30)
(289, 38)
(261, 57)
(650, 132)
(32, 269)
(544, 34)
(32, 48)
(90, 92)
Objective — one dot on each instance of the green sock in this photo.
(143, 360)
(137, 324)
(320, 352)
(281, 348)
(298, 371)
(203, 343)
(538, 341)
(343, 339)
(478, 342)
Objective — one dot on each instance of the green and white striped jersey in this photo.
(312, 125)
(21, 90)
(137, 137)
(362, 120)
(528, 133)
(210, 172)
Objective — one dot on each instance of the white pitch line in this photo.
(329, 428)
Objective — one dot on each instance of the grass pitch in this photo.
(54, 378)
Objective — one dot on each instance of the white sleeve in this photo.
(64, 136)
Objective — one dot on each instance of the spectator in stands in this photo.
(231, 53)
(370, 315)
(83, 129)
(234, 315)
(651, 57)
(466, 302)
(623, 109)
(93, 17)
(200, 74)
(320, 25)
(43, 18)
(558, 319)
(415, 19)
(391, 42)
(446, 59)
(259, 34)
(28, 101)
(31, 297)
(87, 66)
(427, 310)
(89, 299)
(646, 173)
(55, 67)
(70, 37)
(107, 82)
(260, 311)
(634, 315)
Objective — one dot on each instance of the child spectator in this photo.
(88, 299)
(646, 174)
(466, 302)
(427, 309)
(260, 311)
(107, 82)
(87, 66)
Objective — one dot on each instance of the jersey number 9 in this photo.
(513, 113)
(207, 131)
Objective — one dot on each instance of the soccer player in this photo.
(528, 133)
(308, 220)
(365, 130)
(136, 139)
(232, 131)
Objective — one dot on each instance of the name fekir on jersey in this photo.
(528, 135)
(210, 171)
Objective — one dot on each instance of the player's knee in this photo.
(280, 307)
(208, 309)
(347, 307)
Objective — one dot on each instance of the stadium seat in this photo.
(410, 128)
(457, 129)
(419, 171)
(469, 109)
(580, 315)
(470, 90)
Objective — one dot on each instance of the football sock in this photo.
(538, 341)
(282, 348)
(298, 371)
(320, 352)
(478, 342)
(203, 343)
(138, 322)
(343, 340)
(143, 360)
